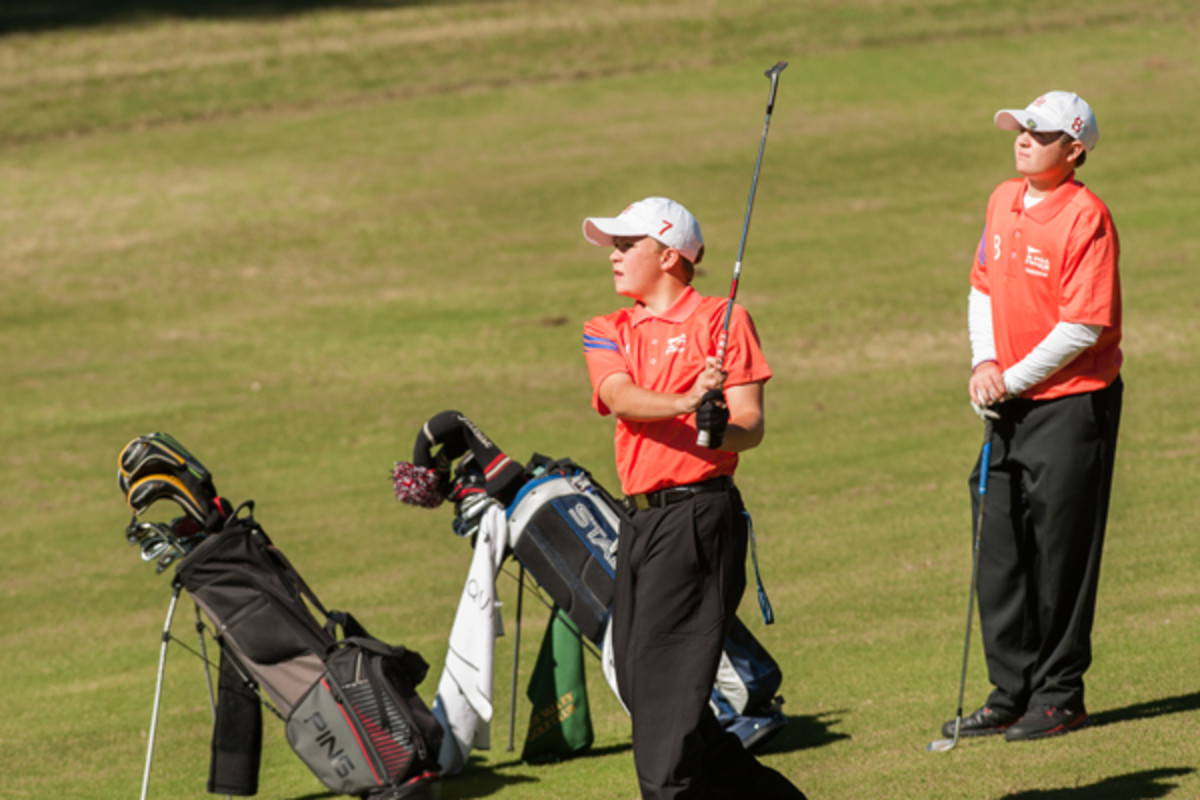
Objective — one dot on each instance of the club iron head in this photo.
(942, 745)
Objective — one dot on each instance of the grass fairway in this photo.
(290, 238)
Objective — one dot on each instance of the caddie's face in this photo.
(637, 265)
(1045, 155)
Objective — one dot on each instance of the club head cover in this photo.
(206, 509)
(158, 453)
(417, 486)
(454, 434)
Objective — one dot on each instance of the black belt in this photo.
(673, 494)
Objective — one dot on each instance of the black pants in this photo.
(1049, 480)
(680, 576)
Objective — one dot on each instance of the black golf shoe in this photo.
(1042, 721)
(983, 721)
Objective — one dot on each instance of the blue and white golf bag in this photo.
(564, 528)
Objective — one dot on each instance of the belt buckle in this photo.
(637, 502)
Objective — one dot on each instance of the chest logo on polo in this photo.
(676, 344)
(1036, 263)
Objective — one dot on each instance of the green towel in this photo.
(559, 723)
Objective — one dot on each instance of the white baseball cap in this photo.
(659, 218)
(1054, 111)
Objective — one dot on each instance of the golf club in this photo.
(941, 745)
(703, 436)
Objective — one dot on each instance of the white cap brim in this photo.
(601, 230)
(1013, 119)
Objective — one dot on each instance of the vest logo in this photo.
(676, 344)
(1036, 263)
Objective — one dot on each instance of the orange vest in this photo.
(1054, 262)
(665, 354)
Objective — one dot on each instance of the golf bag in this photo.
(564, 527)
(349, 703)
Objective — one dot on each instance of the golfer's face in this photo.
(637, 264)
(1041, 154)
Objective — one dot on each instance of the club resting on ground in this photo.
(940, 745)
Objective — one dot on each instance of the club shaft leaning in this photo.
(984, 461)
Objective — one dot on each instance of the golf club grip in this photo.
(985, 458)
(703, 436)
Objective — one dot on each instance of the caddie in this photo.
(1044, 319)
(681, 559)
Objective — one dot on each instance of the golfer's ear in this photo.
(669, 259)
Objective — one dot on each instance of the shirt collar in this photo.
(679, 311)
(1053, 203)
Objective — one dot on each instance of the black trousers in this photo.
(680, 576)
(1049, 481)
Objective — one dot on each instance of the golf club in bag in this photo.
(941, 745)
(563, 529)
(348, 701)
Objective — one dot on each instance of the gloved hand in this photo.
(713, 416)
(985, 412)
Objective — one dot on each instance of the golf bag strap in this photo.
(351, 628)
(411, 664)
(764, 602)
(237, 733)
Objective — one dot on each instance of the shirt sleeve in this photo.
(979, 327)
(1089, 282)
(1060, 347)
(981, 263)
(604, 355)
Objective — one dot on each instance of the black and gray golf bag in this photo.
(563, 527)
(349, 702)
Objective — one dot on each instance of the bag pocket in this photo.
(324, 736)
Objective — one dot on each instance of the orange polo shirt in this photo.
(666, 354)
(1055, 262)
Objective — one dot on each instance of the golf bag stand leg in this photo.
(512, 702)
(176, 588)
(208, 681)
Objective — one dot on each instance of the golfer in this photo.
(681, 560)
(1044, 319)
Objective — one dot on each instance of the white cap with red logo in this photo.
(659, 218)
(1054, 111)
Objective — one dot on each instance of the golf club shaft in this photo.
(984, 460)
(512, 704)
(703, 436)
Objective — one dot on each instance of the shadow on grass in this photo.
(804, 732)
(478, 780)
(1154, 708)
(31, 16)
(1135, 786)
(591, 752)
